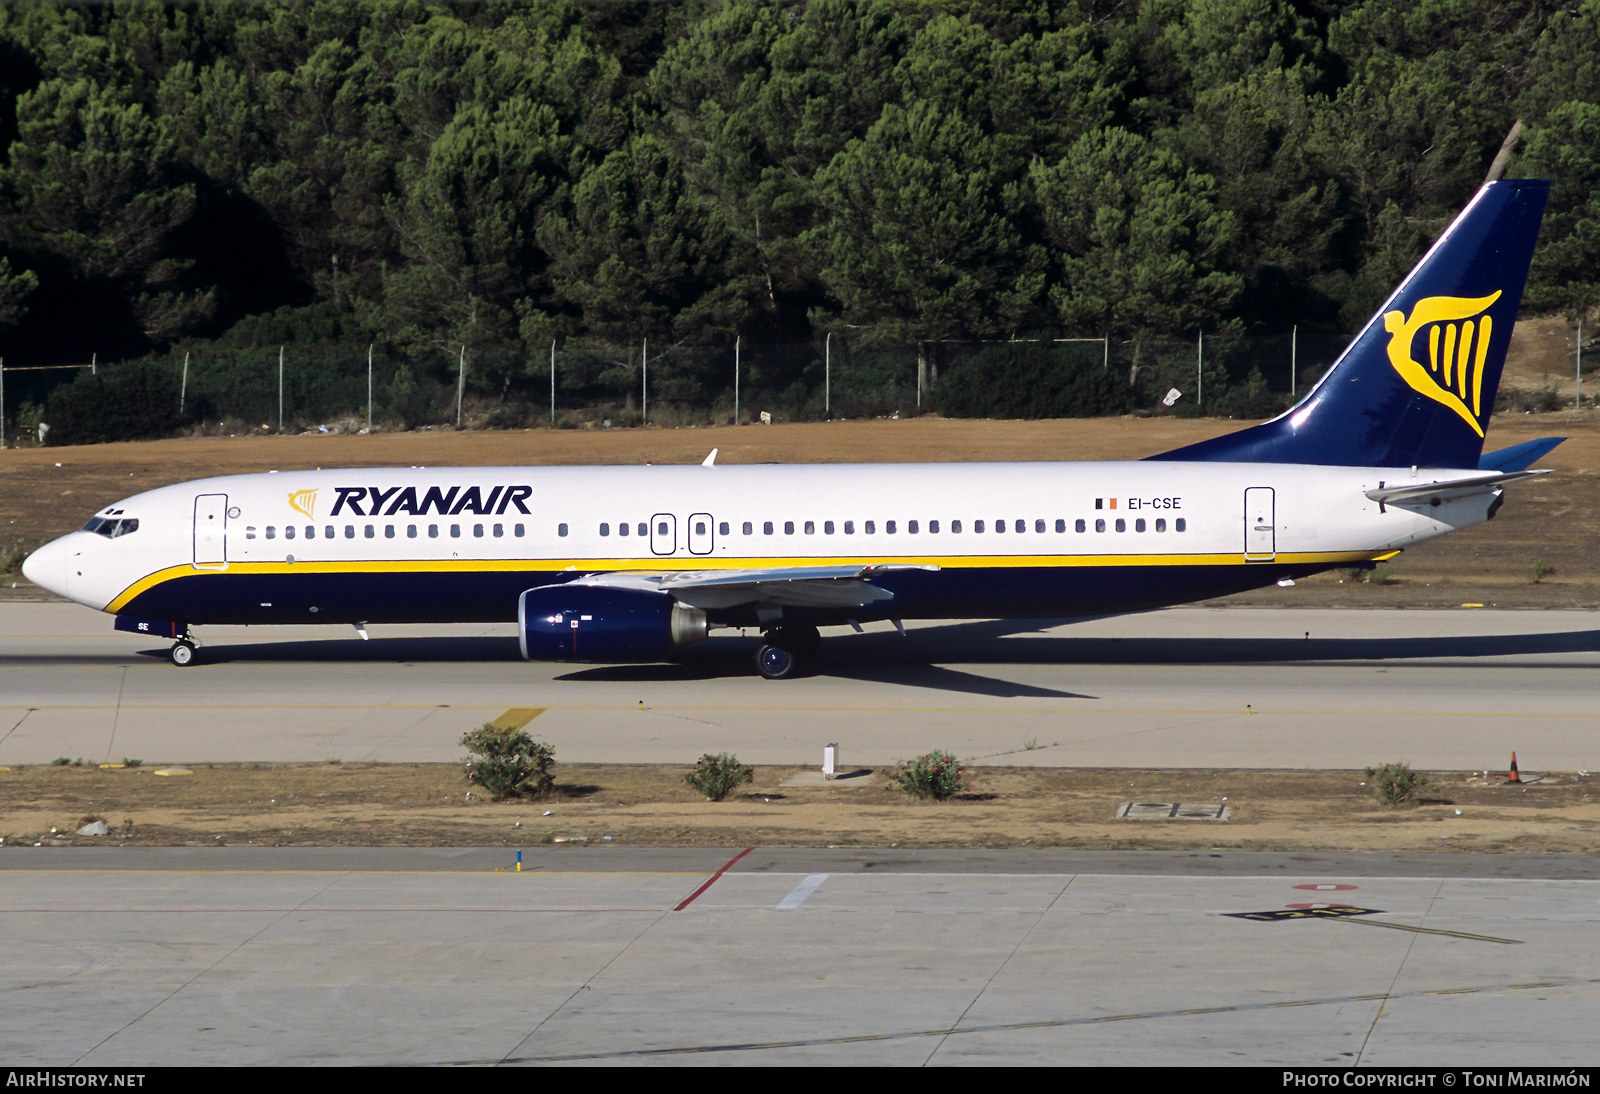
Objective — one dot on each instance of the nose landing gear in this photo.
(184, 651)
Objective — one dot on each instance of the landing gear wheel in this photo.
(775, 662)
(182, 653)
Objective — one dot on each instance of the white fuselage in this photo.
(995, 539)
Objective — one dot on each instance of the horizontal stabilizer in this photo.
(1447, 490)
(1518, 456)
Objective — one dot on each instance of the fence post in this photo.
(183, 386)
(461, 383)
(1199, 375)
(369, 387)
(2, 402)
(1294, 361)
(644, 382)
(552, 381)
(1577, 369)
(827, 376)
(737, 339)
(280, 389)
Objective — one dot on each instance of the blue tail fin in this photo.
(1416, 386)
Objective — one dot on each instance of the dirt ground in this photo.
(428, 805)
(1538, 553)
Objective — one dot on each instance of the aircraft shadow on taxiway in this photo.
(919, 658)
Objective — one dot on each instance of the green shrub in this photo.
(1396, 784)
(510, 763)
(124, 402)
(933, 776)
(1539, 571)
(715, 776)
(1029, 380)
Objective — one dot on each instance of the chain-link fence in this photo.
(347, 390)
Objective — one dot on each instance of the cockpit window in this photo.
(110, 527)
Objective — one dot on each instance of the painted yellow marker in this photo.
(517, 717)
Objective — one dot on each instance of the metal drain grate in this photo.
(1171, 811)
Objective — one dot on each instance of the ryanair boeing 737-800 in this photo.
(614, 564)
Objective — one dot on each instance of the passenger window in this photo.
(1022, 526)
(955, 526)
(329, 533)
(766, 527)
(1180, 525)
(433, 531)
(788, 527)
(411, 531)
(1161, 524)
(1122, 525)
(272, 531)
(349, 531)
(1099, 524)
(561, 529)
(499, 531)
(477, 531)
(811, 527)
(722, 529)
(888, 527)
(869, 527)
(849, 527)
(288, 531)
(1061, 526)
(1038, 526)
(749, 529)
(663, 529)
(999, 526)
(827, 527)
(977, 526)
(249, 532)
(517, 530)
(311, 531)
(933, 527)
(372, 533)
(644, 529)
(622, 529)
(1079, 525)
(911, 527)
(1138, 525)
(605, 529)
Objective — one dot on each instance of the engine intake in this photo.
(593, 623)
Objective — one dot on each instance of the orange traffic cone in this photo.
(1513, 777)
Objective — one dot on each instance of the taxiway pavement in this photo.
(134, 958)
(1188, 687)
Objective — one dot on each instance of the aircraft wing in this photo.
(779, 586)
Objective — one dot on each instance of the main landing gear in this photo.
(784, 647)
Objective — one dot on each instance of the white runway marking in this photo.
(797, 895)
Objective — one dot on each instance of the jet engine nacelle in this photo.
(595, 623)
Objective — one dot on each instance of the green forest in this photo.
(460, 187)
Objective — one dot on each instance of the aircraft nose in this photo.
(47, 567)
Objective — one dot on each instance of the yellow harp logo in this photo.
(1457, 345)
(305, 501)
